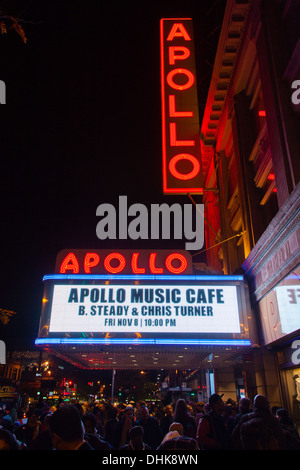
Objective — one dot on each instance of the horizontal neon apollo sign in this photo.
(123, 261)
(180, 116)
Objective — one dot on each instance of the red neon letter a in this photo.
(178, 30)
(70, 263)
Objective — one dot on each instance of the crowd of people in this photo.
(186, 426)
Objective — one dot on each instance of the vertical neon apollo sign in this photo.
(180, 117)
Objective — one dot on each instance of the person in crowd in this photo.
(8, 440)
(13, 412)
(291, 433)
(174, 440)
(166, 419)
(199, 411)
(228, 416)
(136, 440)
(274, 409)
(91, 435)
(244, 408)
(111, 424)
(32, 428)
(212, 433)
(183, 416)
(150, 424)
(42, 440)
(286, 422)
(67, 429)
(258, 430)
(175, 430)
(125, 423)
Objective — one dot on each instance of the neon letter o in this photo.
(116, 269)
(182, 260)
(188, 84)
(184, 176)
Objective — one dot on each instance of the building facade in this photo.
(251, 163)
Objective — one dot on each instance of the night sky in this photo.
(82, 125)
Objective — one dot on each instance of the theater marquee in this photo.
(125, 309)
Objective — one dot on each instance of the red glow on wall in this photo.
(262, 113)
(180, 120)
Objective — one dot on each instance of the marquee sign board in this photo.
(96, 309)
(144, 309)
(180, 117)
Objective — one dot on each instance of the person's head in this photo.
(216, 403)
(199, 407)
(261, 403)
(144, 413)
(181, 410)
(66, 428)
(169, 410)
(8, 440)
(206, 408)
(128, 413)
(244, 405)
(89, 421)
(283, 416)
(136, 436)
(176, 427)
